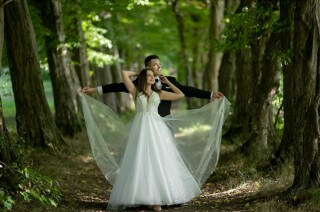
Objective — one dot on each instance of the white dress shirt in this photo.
(158, 82)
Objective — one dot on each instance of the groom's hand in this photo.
(217, 95)
(88, 90)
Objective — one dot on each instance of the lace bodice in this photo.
(143, 104)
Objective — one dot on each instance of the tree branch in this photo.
(4, 3)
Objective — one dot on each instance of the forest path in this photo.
(231, 187)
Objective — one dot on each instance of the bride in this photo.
(154, 160)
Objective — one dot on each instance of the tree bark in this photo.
(196, 54)
(181, 30)
(34, 120)
(265, 79)
(242, 118)
(7, 156)
(79, 55)
(1, 35)
(227, 69)
(305, 96)
(121, 98)
(5, 139)
(215, 57)
(64, 80)
(227, 74)
(103, 77)
(267, 76)
(4, 134)
(287, 17)
(243, 106)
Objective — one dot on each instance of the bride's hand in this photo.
(164, 79)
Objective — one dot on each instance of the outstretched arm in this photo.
(195, 92)
(128, 83)
(109, 88)
(164, 95)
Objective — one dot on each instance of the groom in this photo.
(153, 62)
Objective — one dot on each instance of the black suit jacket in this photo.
(164, 106)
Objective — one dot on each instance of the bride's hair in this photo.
(142, 83)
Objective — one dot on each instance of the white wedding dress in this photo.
(155, 160)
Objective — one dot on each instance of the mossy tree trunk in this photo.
(65, 82)
(305, 96)
(35, 123)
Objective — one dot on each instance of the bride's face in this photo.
(150, 77)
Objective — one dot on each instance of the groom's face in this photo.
(155, 66)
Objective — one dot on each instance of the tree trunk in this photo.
(305, 96)
(227, 74)
(104, 77)
(181, 30)
(243, 106)
(227, 69)
(196, 54)
(121, 98)
(198, 46)
(1, 35)
(7, 156)
(4, 134)
(215, 57)
(64, 80)
(80, 52)
(242, 118)
(34, 120)
(267, 77)
(287, 17)
(5, 140)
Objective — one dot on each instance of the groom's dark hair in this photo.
(149, 58)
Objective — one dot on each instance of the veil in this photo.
(197, 135)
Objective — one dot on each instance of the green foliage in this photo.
(35, 186)
(98, 43)
(278, 111)
(19, 182)
(31, 186)
(133, 27)
(6, 200)
(246, 27)
(25, 184)
(8, 104)
(5, 84)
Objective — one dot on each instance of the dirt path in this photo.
(232, 187)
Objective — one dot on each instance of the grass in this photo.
(8, 104)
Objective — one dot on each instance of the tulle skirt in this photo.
(152, 171)
(155, 160)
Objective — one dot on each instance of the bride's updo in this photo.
(142, 84)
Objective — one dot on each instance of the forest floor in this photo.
(234, 186)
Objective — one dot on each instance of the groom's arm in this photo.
(191, 91)
(113, 87)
